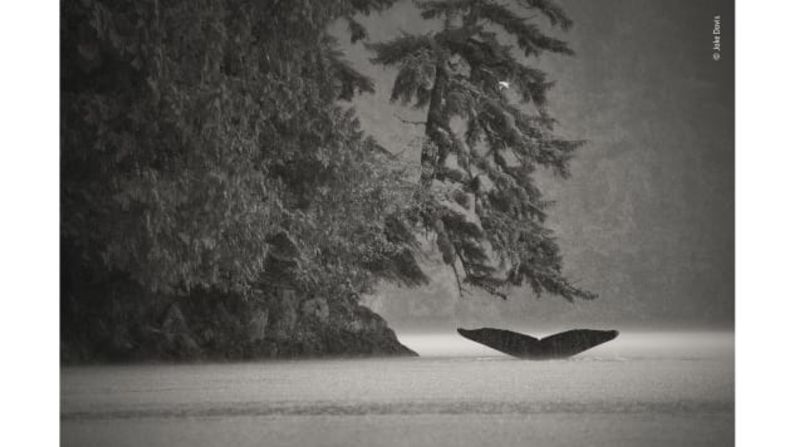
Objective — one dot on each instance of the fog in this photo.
(633, 344)
(646, 221)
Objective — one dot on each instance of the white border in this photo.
(29, 225)
(29, 77)
(765, 168)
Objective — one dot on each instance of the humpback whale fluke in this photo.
(560, 345)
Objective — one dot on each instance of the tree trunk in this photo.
(437, 127)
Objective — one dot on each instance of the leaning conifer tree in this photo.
(480, 197)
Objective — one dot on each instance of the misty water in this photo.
(642, 389)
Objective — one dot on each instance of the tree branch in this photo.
(457, 279)
(417, 123)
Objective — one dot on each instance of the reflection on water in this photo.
(640, 389)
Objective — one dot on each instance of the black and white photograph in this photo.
(396, 223)
(393, 223)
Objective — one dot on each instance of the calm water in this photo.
(662, 389)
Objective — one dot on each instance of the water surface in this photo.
(642, 389)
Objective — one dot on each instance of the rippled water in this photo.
(641, 389)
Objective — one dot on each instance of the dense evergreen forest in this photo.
(220, 200)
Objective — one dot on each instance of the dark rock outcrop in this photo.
(560, 345)
(280, 323)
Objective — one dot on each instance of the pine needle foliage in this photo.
(479, 195)
(192, 132)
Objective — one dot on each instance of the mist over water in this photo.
(642, 389)
(689, 344)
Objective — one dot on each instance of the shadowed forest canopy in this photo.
(193, 132)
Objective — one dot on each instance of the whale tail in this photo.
(560, 345)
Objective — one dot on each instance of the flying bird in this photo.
(504, 84)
